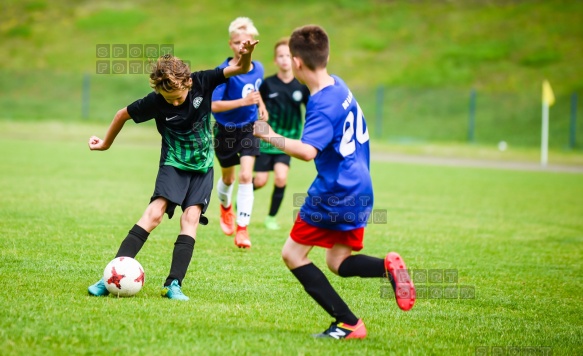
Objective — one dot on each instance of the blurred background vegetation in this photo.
(412, 65)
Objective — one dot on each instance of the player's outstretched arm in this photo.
(294, 148)
(253, 98)
(120, 118)
(243, 65)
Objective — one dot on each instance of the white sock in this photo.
(224, 193)
(245, 199)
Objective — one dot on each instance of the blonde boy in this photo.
(236, 106)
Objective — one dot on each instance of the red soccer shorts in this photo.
(306, 234)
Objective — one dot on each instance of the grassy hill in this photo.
(437, 50)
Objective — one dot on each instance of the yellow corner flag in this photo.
(548, 96)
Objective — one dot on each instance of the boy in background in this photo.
(236, 105)
(181, 106)
(283, 96)
(340, 199)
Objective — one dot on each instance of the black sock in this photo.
(319, 288)
(183, 248)
(364, 266)
(276, 198)
(133, 243)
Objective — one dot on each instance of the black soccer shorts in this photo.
(266, 161)
(231, 143)
(184, 188)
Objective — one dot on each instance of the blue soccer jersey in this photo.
(341, 196)
(237, 87)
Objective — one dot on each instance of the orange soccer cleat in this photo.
(344, 331)
(401, 281)
(242, 238)
(227, 220)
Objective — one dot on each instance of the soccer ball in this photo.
(124, 277)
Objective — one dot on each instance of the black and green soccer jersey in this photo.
(283, 102)
(187, 141)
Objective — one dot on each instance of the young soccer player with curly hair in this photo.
(181, 106)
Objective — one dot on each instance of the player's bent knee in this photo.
(285, 258)
(154, 217)
(333, 268)
(228, 180)
(334, 262)
(189, 220)
(191, 215)
(280, 182)
(293, 261)
(288, 259)
(154, 213)
(245, 178)
(259, 183)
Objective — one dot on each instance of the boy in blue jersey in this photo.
(236, 105)
(181, 106)
(340, 199)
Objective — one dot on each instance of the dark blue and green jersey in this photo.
(283, 103)
(187, 141)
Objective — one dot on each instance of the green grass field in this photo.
(514, 238)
